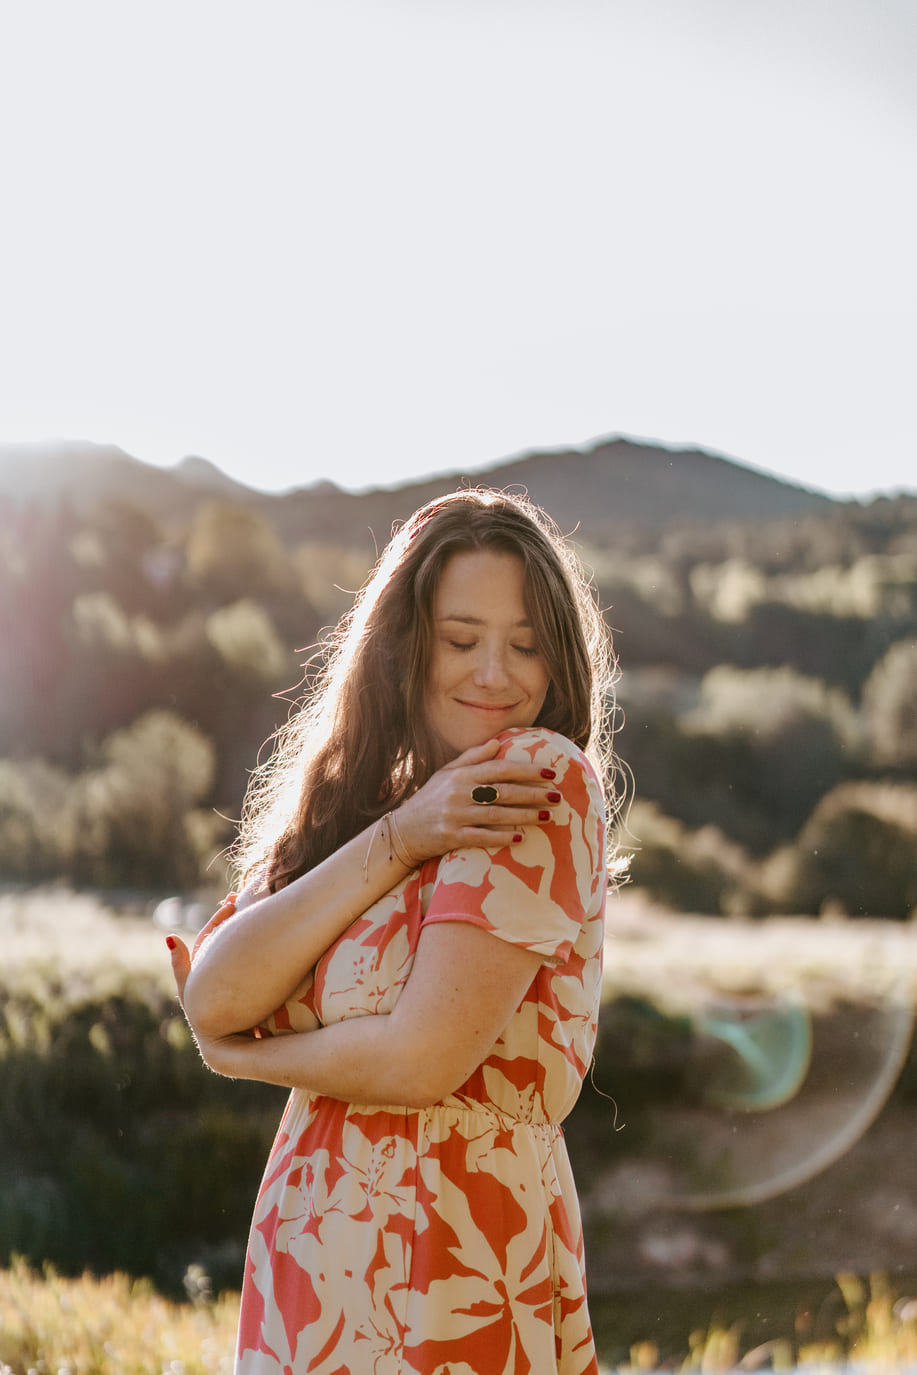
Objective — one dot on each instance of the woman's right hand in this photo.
(442, 815)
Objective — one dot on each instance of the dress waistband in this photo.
(455, 1111)
(480, 1113)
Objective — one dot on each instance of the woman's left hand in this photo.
(219, 1052)
(181, 964)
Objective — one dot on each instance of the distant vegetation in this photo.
(118, 1151)
(118, 1326)
(767, 707)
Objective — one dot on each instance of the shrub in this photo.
(803, 738)
(855, 852)
(244, 637)
(134, 812)
(118, 1149)
(890, 706)
(37, 833)
(691, 871)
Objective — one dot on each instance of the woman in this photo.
(425, 926)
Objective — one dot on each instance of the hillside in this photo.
(616, 481)
(766, 636)
(86, 474)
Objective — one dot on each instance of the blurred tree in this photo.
(233, 554)
(102, 625)
(839, 649)
(765, 702)
(138, 823)
(37, 822)
(244, 637)
(856, 851)
(118, 667)
(330, 575)
(696, 778)
(890, 707)
(689, 871)
(38, 578)
(117, 544)
(804, 738)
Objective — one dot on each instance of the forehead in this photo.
(481, 579)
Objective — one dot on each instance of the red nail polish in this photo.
(170, 942)
(544, 816)
(553, 797)
(548, 773)
(516, 839)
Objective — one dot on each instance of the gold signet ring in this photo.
(484, 793)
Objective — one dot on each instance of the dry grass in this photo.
(677, 960)
(117, 1326)
(48, 930)
(110, 1326)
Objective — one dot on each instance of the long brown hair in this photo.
(361, 743)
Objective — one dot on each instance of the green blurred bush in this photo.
(118, 1150)
(857, 853)
(133, 819)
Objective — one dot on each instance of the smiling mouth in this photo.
(488, 706)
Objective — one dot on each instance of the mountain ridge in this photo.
(590, 488)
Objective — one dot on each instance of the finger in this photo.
(181, 963)
(497, 818)
(513, 770)
(475, 755)
(519, 795)
(223, 914)
(492, 838)
(513, 792)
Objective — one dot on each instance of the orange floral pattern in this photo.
(446, 1240)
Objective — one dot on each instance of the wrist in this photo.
(385, 838)
(402, 850)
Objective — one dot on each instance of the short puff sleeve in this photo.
(539, 892)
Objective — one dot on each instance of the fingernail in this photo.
(553, 797)
(548, 773)
(516, 839)
(170, 942)
(544, 816)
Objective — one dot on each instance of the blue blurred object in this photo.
(767, 1053)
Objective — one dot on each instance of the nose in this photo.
(491, 670)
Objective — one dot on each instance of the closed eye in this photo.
(529, 651)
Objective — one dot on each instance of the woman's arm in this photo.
(464, 987)
(252, 961)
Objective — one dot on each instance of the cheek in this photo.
(438, 680)
(541, 683)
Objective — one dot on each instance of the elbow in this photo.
(419, 1096)
(207, 1011)
(422, 1068)
(423, 1085)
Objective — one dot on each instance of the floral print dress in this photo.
(445, 1240)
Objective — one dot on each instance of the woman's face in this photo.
(486, 672)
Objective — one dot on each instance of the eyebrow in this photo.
(477, 620)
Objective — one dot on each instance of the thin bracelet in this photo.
(396, 846)
(397, 840)
(372, 840)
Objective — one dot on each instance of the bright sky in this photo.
(367, 240)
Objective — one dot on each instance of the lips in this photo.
(496, 707)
